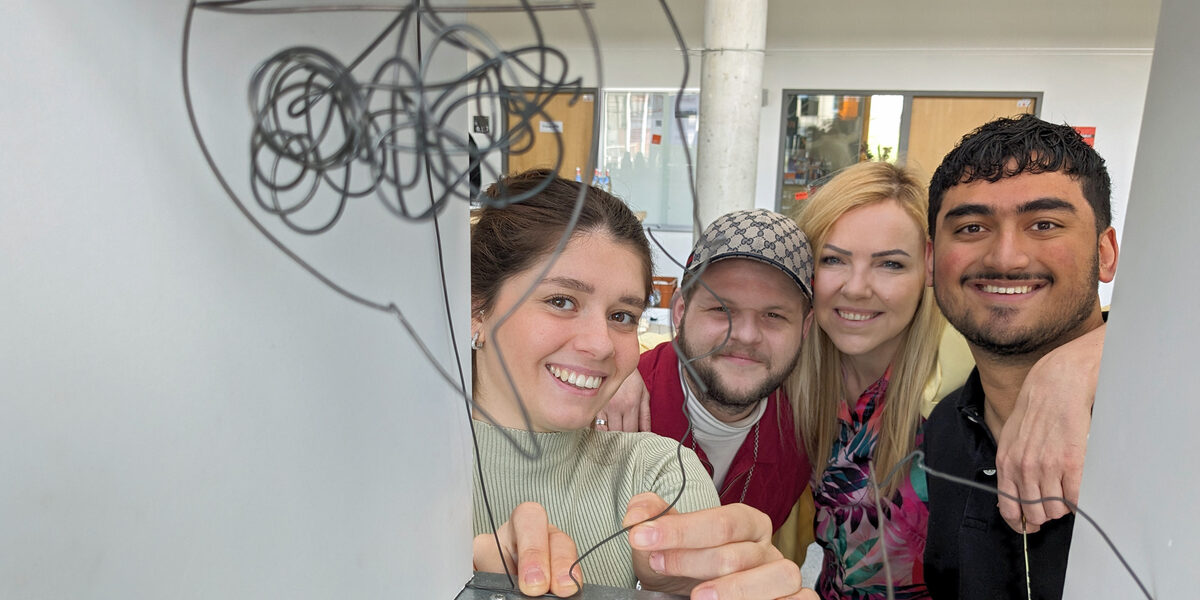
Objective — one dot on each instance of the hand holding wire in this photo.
(538, 552)
(722, 552)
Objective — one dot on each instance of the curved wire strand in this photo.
(918, 459)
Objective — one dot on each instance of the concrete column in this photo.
(731, 74)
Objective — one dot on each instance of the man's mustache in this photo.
(995, 275)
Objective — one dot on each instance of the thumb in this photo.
(643, 506)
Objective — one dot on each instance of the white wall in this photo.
(184, 412)
(1091, 60)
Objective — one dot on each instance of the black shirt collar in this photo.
(970, 405)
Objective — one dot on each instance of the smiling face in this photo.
(570, 344)
(767, 311)
(870, 276)
(1016, 262)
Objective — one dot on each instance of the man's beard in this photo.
(720, 396)
(1036, 340)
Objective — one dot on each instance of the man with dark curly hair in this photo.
(1020, 219)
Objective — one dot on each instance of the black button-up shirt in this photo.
(970, 552)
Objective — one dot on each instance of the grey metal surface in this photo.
(486, 586)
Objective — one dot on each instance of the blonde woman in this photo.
(859, 388)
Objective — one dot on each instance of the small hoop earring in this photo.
(475, 343)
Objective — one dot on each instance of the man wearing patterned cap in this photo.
(739, 317)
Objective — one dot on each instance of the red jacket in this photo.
(782, 470)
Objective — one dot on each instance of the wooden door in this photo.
(570, 115)
(938, 123)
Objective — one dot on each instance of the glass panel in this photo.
(883, 128)
(642, 156)
(824, 133)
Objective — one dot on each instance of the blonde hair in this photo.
(816, 386)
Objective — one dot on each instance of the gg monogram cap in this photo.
(760, 235)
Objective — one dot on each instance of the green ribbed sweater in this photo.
(585, 480)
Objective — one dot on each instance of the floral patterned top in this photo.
(847, 520)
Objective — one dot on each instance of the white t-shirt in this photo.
(719, 440)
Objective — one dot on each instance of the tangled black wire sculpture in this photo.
(323, 136)
(319, 127)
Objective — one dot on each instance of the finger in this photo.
(531, 530)
(1031, 489)
(486, 557)
(616, 421)
(1072, 479)
(562, 555)
(1032, 514)
(710, 563)
(777, 579)
(1051, 487)
(1010, 510)
(702, 529)
(1008, 471)
(641, 508)
(1019, 473)
(644, 506)
(629, 424)
(1027, 528)
(1072, 474)
(628, 419)
(620, 422)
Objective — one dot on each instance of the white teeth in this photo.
(995, 289)
(854, 316)
(577, 379)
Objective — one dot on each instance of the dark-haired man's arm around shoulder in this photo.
(1043, 443)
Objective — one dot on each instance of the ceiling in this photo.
(823, 24)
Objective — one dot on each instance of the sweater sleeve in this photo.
(662, 460)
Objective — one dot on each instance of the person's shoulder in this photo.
(652, 448)
(659, 368)
(645, 448)
(639, 443)
(946, 409)
(946, 412)
(648, 443)
(650, 359)
(943, 424)
(665, 464)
